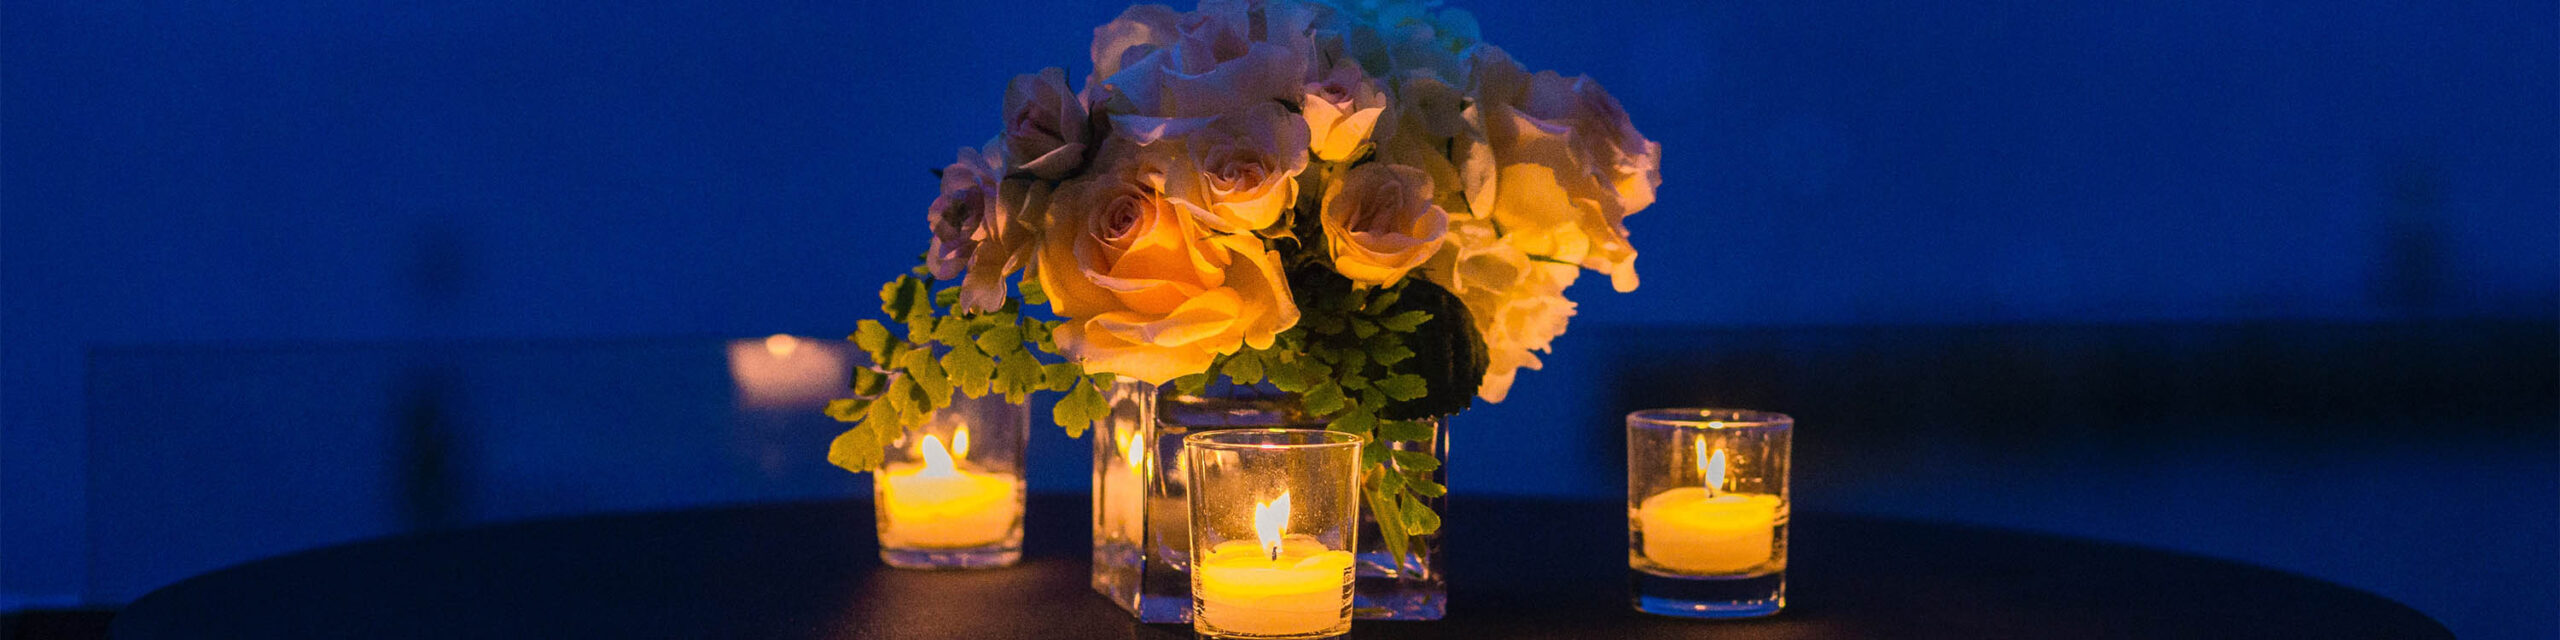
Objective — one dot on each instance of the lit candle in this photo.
(1123, 493)
(1702, 530)
(1279, 585)
(939, 505)
(784, 372)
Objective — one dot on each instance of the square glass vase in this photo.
(1142, 520)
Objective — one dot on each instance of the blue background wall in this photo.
(291, 173)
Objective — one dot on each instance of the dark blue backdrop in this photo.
(279, 172)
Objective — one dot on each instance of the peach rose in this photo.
(1140, 30)
(1222, 57)
(1044, 124)
(976, 229)
(1146, 291)
(1240, 169)
(1379, 222)
(1342, 109)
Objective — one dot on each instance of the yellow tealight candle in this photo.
(1279, 585)
(939, 505)
(1699, 530)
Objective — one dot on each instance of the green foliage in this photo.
(1414, 460)
(1362, 359)
(1445, 351)
(1376, 361)
(1081, 407)
(944, 352)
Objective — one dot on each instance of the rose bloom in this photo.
(1147, 292)
(1517, 302)
(1044, 124)
(1240, 169)
(1570, 168)
(977, 229)
(1379, 222)
(1428, 127)
(1221, 57)
(1139, 31)
(1342, 107)
(1342, 101)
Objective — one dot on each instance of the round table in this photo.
(1519, 568)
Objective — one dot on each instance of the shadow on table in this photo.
(56, 624)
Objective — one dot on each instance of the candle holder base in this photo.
(1221, 635)
(1751, 596)
(987, 557)
(1381, 594)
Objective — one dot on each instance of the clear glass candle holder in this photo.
(950, 494)
(1275, 517)
(1707, 511)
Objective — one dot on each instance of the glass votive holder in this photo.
(1274, 517)
(1707, 511)
(949, 495)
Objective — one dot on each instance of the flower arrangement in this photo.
(1355, 201)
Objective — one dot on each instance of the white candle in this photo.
(1278, 585)
(939, 505)
(1699, 530)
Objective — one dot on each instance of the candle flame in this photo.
(1711, 467)
(781, 345)
(960, 443)
(1270, 520)
(937, 462)
(1132, 449)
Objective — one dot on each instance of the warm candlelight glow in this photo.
(1274, 515)
(1712, 468)
(960, 443)
(937, 461)
(785, 372)
(1279, 584)
(1714, 544)
(1708, 529)
(1130, 449)
(938, 504)
(1270, 521)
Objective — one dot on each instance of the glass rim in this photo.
(1711, 418)
(1219, 439)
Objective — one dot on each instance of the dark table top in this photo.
(1519, 569)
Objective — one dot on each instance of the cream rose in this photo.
(1045, 127)
(1428, 127)
(1239, 169)
(1518, 301)
(1622, 157)
(1342, 109)
(976, 229)
(1379, 222)
(1222, 57)
(1553, 189)
(1147, 292)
